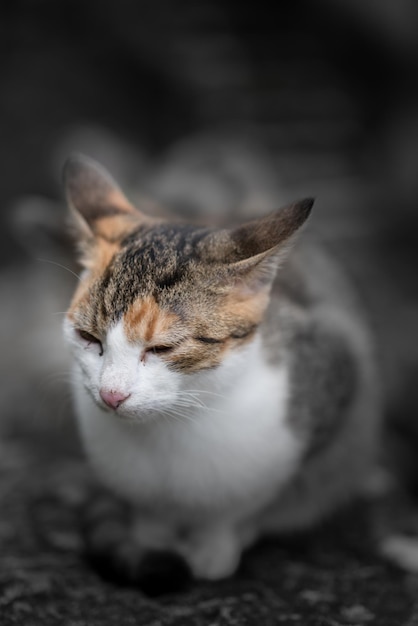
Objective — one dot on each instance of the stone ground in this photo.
(332, 99)
(329, 577)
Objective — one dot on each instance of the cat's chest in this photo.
(234, 454)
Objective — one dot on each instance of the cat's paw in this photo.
(155, 572)
(213, 556)
(110, 547)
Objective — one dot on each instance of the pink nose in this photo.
(113, 398)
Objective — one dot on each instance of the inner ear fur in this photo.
(252, 253)
(268, 233)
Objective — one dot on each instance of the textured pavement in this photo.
(330, 577)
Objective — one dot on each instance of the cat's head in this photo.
(159, 301)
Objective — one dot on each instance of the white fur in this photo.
(205, 451)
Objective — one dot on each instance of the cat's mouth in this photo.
(124, 415)
(129, 414)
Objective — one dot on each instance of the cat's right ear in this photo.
(98, 207)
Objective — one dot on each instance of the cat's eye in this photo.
(89, 338)
(160, 349)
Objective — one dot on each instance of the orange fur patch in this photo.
(146, 321)
(250, 309)
(103, 253)
(97, 256)
(115, 227)
(80, 299)
(96, 262)
(116, 198)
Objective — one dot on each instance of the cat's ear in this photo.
(254, 251)
(98, 206)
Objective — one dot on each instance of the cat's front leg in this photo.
(212, 553)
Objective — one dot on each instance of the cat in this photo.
(224, 380)
(200, 174)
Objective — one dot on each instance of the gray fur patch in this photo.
(324, 382)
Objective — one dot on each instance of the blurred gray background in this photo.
(220, 107)
(247, 107)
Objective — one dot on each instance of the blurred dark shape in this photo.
(107, 546)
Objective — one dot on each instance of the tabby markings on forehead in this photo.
(179, 240)
(150, 261)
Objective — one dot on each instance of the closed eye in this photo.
(157, 350)
(160, 349)
(211, 340)
(89, 339)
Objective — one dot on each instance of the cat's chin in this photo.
(138, 415)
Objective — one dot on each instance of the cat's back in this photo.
(316, 325)
(313, 290)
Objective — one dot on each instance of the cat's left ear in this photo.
(253, 252)
(99, 207)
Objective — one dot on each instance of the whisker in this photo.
(196, 403)
(64, 267)
(206, 391)
(170, 414)
(180, 416)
